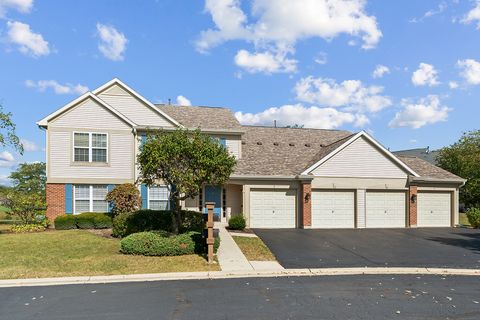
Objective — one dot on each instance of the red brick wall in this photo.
(306, 205)
(412, 207)
(55, 200)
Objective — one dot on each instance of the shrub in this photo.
(161, 243)
(473, 215)
(125, 224)
(125, 198)
(23, 228)
(237, 223)
(85, 220)
(65, 222)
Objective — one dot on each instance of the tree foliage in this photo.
(186, 160)
(463, 159)
(26, 206)
(125, 198)
(29, 178)
(8, 137)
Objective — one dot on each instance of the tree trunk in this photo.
(177, 217)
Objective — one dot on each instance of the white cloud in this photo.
(425, 75)
(112, 42)
(361, 120)
(351, 94)
(183, 101)
(427, 110)
(321, 58)
(453, 85)
(413, 141)
(29, 42)
(7, 160)
(5, 180)
(470, 70)
(310, 117)
(266, 62)
(29, 146)
(380, 71)
(43, 85)
(23, 6)
(432, 12)
(473, 15)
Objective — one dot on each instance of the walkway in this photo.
(229, 255)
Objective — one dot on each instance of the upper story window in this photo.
(90, 147)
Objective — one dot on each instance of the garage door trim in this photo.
(355, 211)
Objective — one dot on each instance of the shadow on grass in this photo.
(469, 241)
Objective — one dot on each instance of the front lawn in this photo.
(254, 249)
(81, 253)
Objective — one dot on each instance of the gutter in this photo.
(459, 181)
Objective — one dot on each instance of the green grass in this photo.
(3, 209)
(462, 219)
(81, 253)
(254, 249)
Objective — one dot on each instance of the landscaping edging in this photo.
(211, 275)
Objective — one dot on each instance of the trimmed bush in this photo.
(161, 243)
(125, 224)
(237, 223)
(65, 222)
(85, 220)
(473, 215)
(125, 198)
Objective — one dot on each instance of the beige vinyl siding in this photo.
(233, 143)
(132, 108)
(360, 159)
(60, 158)
(234, 199)
(361, 208)
(89, 114)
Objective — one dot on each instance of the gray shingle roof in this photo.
(422, 153)
(426, 169)
(202, 117)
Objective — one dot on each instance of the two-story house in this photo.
(284, 177)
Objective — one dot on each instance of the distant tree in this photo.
(8, 137)
(295, 126)
(125, 198)
(29, 178)
(25, 206)
(185, 161)
(463, 159)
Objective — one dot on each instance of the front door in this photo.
(214, 194)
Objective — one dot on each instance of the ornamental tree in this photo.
(185, 161)
(125, 198)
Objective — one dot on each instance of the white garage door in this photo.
(272, 208)
(434, 209)
(385, 210)
(333, 209)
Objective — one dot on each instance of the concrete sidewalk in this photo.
(229, 255)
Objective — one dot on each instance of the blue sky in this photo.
(292, 61)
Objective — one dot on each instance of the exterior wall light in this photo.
(413, 198)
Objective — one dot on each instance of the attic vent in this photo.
(291, 144)
(275, 143)
(308, 145)
(259, 143)
(322, 145)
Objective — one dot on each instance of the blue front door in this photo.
(214, 194)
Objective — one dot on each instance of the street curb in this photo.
(211, 275)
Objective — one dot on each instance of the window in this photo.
(90, 198)
(158, 198)
(90, 147)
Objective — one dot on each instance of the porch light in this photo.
(413, 198)
(307, 197)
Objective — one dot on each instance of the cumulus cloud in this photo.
(427, 110)
(23, 6)
(112, 42)
(470, 70)
(453, 85)
(350, 94)
(28, 42)
(425, 75)
(310, 117)
(29, 146)
(7, 160)
(473, 15)
(266, 62)
(380, 71)
(183, 101)
(43, 85)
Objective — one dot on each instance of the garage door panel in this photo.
(385, 209)
(434, 209)
(333, 209)
(272, 208)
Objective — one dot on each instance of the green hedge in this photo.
(125, 224)
(237, 223)
(87, 220)
(161, 243)
(473, 215)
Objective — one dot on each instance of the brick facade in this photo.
(55, 200)
(306, 204)
(412, 206)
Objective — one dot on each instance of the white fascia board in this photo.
(372, 140)
(137, 95)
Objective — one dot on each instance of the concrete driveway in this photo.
(433, 247)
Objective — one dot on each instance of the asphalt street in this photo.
(320, 297)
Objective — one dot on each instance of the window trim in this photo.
(168, 196)
(90, 147)
(90, 197)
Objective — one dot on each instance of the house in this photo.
(284, 177)
(422, 153)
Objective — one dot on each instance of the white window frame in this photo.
(90, 147)
(168, 196)
(90, 197)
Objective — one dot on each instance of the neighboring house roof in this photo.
(422, 153)
(426, 170)
(270, 151)
(215, 118)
